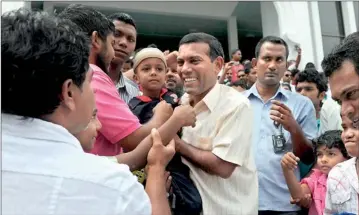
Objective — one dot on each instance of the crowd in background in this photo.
(92, 125)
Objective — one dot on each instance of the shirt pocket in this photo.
(340, 197)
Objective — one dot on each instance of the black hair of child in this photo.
(331, 139)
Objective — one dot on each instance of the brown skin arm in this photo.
(205, 160)
(137, 158)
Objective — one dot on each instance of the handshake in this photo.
(184, 114)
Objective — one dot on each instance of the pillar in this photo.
(232, 33)
(349, 19)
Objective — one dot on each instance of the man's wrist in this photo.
(155, 169)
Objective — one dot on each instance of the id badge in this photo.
(278, 143)
(278, 140)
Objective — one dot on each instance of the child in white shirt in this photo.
(343, 184)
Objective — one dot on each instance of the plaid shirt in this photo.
(342, 189)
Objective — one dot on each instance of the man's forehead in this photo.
(193, 49)
(272, 49)
(305, 83)
(120, 25)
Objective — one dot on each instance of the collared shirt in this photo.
(273, 191)
(127, 89)
(343, 189)
(317, 183)
(223, 126)
(114, 114)
(45, 171)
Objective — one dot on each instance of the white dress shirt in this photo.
(330, 116)
(224, 127)
(45, 171)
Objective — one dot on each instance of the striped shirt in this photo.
(127, 89)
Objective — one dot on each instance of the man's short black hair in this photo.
(312, 76)
(309, 65)
(347, 50)
(40, 52)
(293, 72)
(130, 62)
(274, 40)
(215, 47)
(123, 17)
(89, 20)
(234, 51)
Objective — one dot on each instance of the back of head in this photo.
(215, 47)
(271, 39)
(41, 52)
(331, 139)
(312, 76)
(347, 50)
(294, 72)
(309, 65)
(89, 20)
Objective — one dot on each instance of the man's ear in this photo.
(67, 94)
(321, 96)
(95, 40)
(254, 62)
(219, 63)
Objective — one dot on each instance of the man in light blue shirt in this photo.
(277, 110)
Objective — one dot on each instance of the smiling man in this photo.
(285, 123)
(218, 149)
(124, 45)
(341, 66)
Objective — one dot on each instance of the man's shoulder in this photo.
(230, 96)
(100, 171)
(339, 170)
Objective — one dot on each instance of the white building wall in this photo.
(349, 19)
(297, 24)
(11, 5)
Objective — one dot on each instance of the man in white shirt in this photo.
(47, 99)
(218, 149)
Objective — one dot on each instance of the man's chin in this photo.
(117, 61)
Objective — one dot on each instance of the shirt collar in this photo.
(210, 101)
(281, 93)
(121, 82)
(38, 129)
(212, 98)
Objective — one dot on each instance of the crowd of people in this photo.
(92, 125)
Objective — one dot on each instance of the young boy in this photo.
(150, 71)
(343, 184)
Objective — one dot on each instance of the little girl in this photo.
(329, 150)
(343, 183)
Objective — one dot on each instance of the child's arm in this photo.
(298, 192)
